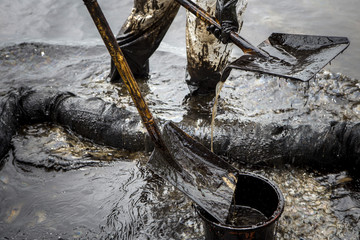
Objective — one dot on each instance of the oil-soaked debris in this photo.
(317, 205)
(55, 148)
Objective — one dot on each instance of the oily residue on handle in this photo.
(218, 90)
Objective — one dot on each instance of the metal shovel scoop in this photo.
(286, 55)
(204, 177)
(211, 183)
(293, 56)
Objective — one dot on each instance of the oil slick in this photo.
(219, 86)
(13, 213)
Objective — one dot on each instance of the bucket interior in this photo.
(255, 192)
(259, 193)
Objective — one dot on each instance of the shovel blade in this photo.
(292, 55)
(210, 181)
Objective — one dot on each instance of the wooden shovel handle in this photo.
(128, 78)
(239, 41)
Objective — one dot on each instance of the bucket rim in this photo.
(270, 220)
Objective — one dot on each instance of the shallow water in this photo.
(68, 22)
(119, 198)
(89, 191)
(134, 204)
(116, 198)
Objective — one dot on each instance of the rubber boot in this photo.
(142, 33)
(206, 55)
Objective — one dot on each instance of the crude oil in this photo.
(218, 90)
(241, 216)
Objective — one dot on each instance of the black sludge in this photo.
(92, 118)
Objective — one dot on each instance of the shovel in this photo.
(200, 174)
(293, 56)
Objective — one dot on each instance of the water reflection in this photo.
(120, 200)
(123, 200)
(53, 21)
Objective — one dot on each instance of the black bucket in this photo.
(253, 192)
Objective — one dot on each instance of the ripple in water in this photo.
(121, 199)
